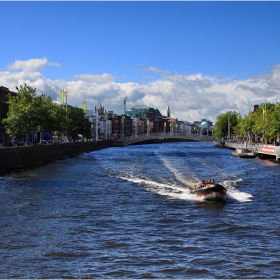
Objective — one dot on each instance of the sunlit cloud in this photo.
(103, 78)
(32, 64)
(190, 97)
(155, 70)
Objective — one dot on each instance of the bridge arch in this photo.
(160, 138)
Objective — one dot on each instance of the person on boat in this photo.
(210, 182)
(203, 184)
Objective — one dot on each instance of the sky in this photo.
(201, 59)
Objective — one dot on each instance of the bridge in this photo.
(161, 138)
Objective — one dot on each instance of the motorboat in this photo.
(244, 153)
(212, 192)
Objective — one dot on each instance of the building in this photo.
(203, 127)
(184, 127)
(146, 119)
(100, 110)
(121, 125)
(101, 126)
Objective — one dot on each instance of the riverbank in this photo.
(261, 150)
(236, 144)
(13, 158)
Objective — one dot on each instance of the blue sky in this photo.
(200, 58)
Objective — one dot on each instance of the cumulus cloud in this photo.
(31, 64)
(190, 97)
(103, 78)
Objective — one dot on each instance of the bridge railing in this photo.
(127, 140)
(259, 148)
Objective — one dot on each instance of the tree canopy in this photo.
(77, 123)
(29, 112)
(264, 122)
(226, 123)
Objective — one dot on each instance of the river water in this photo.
(128, 213)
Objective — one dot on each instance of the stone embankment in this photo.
(12, 158)
(260, 149)
(236, 145)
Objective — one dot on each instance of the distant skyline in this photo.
(199, 58)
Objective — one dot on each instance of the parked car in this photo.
(16, 142)
(43, 142)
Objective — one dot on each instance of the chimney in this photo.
(255, 108)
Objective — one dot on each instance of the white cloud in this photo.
(31, 64)
(190, 97)
(155, 70)
(103, 78)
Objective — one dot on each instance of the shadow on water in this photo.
(212, 205)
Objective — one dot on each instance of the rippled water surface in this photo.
(128, 213)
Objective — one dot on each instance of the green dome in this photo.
(205, 124)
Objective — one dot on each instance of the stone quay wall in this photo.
(17, 157)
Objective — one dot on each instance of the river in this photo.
(128, 213)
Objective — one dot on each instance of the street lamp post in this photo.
(96, 126)
(106, 129)
(229, 127)
(122, 122)
(136, 126)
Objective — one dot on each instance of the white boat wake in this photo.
(185, 183)
(233, 194)
(164, 189)
(190, 182)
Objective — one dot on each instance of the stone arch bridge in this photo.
(161, 138)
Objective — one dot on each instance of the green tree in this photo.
(275, 121)
(224, 122)
(53, 117)
(23, 114)
(238, 129)
(248, 123)
(258, 122)
(31, 112)
(263, 122)
(77, 123)
(271, 121)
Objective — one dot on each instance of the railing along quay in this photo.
(258, 148)
(161, 137)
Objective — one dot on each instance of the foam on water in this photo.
(235, 194)
(190, 182)
(185, 181)
(182, 190)
(165, 189)
(239, 196)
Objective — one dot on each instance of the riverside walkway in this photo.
(161, 137)
(258, 148)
